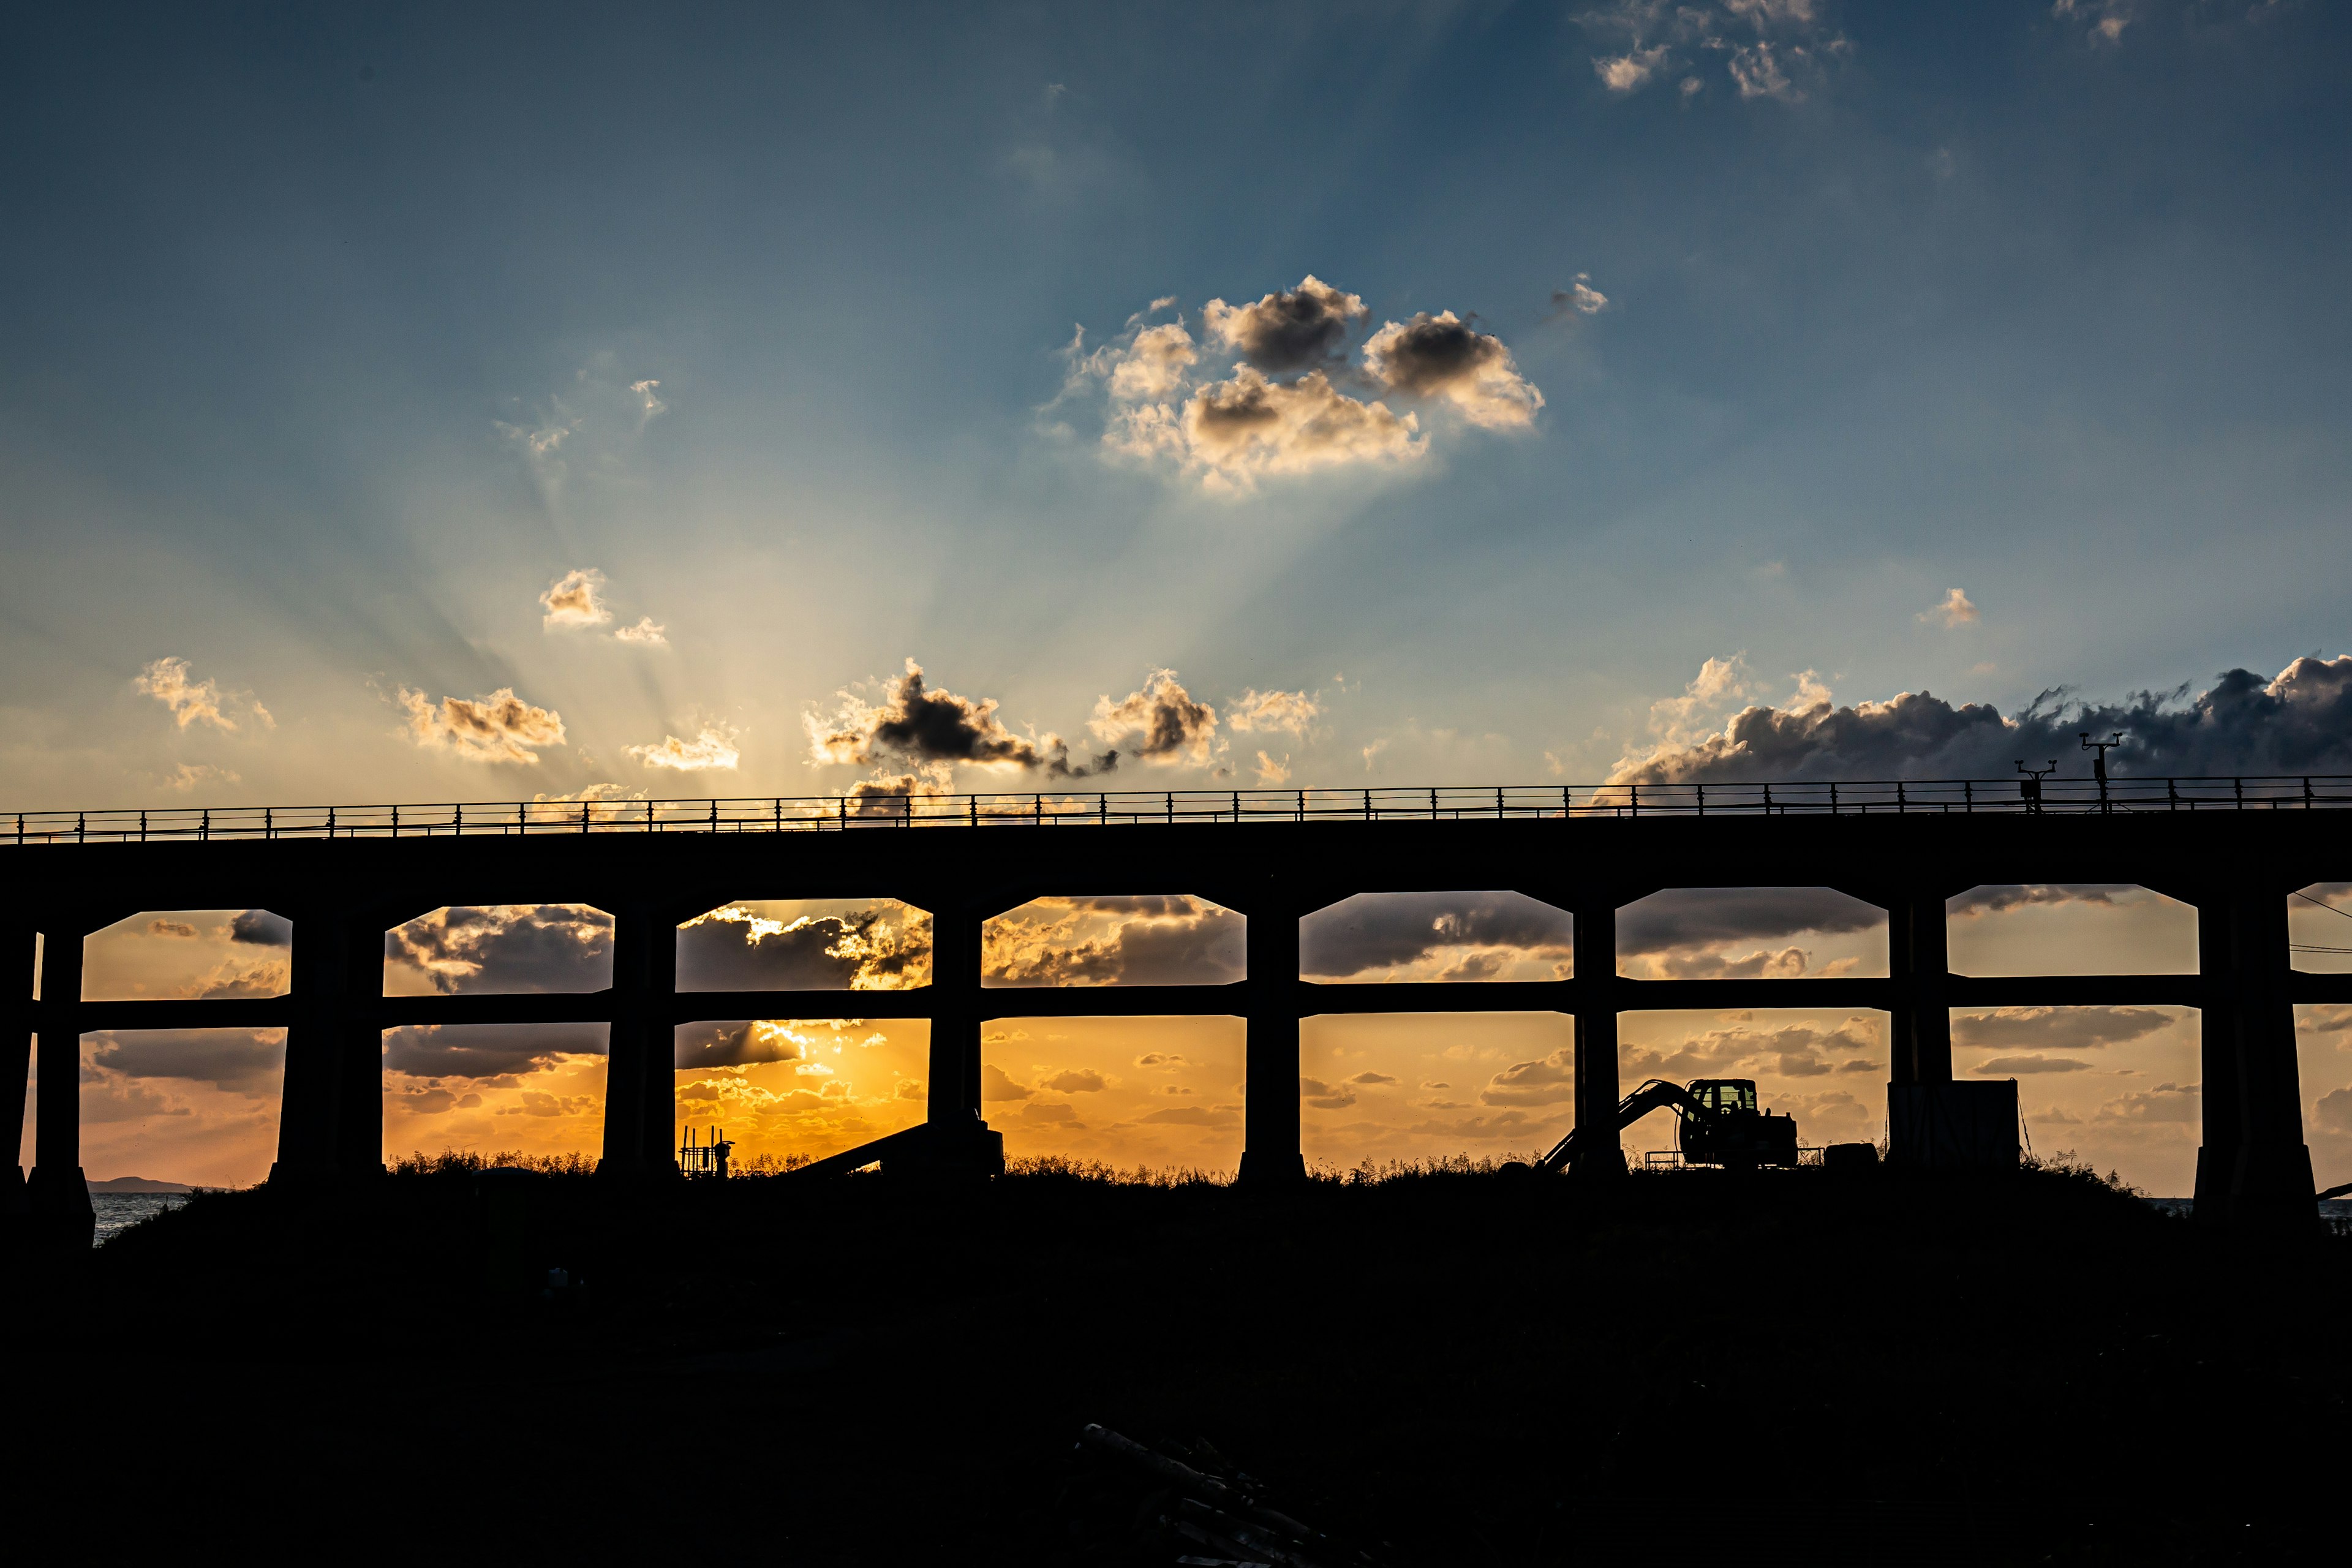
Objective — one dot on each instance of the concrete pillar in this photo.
(58, 1193)
(639, 1104)
(2254, 1168)
(316, 1040)
(1919, 958)
(18, 1018)
(957, 1004)
(357, 1030)
(1270, 1152)
(1598, 1088)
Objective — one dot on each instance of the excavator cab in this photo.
(1721, 1125)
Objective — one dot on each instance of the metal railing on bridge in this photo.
(863, 808)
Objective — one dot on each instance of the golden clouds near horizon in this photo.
(2322, 1037)
(2071, 929)
(1159, 1093)
(1157, 939)
(806, 945)
(1826, 1066)
(533, 1088)
(1423, 1086)
(198, 1106)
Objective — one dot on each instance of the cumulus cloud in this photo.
(1152, 365)
(646, 631)
(235, 1059)
(1993, 901)
(506, 947)
(917, 724)
(497, 728)
(883, 948)
(649, 405)
(1956, 610)
(751, 1041)
(1579, 299)
(1175, 729)
(1178, 940)
(1295, 330)
(2073, 1029)
(1630, 70)
(1442, 356)
(1388, 930)
(1548, 1080)
(170, 683)
(2298, 721)
(1739, 1050)
(2102, 21)
(488, 1050)
(996, 1086)
(259, 928)
(1272, 775)
(575, 600)
(1075, 1081)
(1236, 431)
(1266, 711)
(1326, 1095)
(713, 746)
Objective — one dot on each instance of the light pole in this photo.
(2099, 766)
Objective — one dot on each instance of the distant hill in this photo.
(138, 1184)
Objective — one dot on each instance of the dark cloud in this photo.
(2166, 1102)
(1785, 963)
(2021, 1067)
(1444, 356)
(1371, 1078)
(1295, 330)
(1326, 1095)
(225, 1058)
(1384, 931)
(507, 948)
(996, 1085)
(1206, 947)
(267, 978)
(486, 1051)
(1701, 917)
(933, 729)
(262, 928)
(1995, 899)
(2297, 723)
(2077, 1028)
(734, 1043)
(1074, 1081)
(872, 949)
(1550, 1080)
(2336, 1110)
(1175, 728)
(181, 929)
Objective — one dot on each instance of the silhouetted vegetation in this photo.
(1473, 1369)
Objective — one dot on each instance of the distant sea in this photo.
(118, 1212)
(2336, 1212)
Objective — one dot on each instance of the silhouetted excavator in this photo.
(1717, 1125)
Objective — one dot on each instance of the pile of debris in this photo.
(1186, 1503)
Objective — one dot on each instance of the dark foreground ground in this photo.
(1795, 1369)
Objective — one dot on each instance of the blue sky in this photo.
(2043, 303)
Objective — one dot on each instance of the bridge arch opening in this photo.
(1751, 933)
(2114, 1087)
(2070, 928)
(189, 955)
(194, 1108)
(1826, 1066)
(533, 1089)
(1419, 1087)
(786, 1091)
(1451, 937)
(1102, 940)
(487, 950)
(806, 945)
(2319, 928)
(1156, 1094)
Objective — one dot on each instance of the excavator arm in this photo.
(1656, 1095)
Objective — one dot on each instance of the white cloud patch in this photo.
(1956, 610)
(713, 746)
(646, 632)
(1579, 299)
(575, 600)
(192, 701)
(1234, 432)
(649, 404)
(1763, 44)
(2102, 21)
(1266, 711)
(497, 728)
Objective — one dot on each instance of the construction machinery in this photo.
(1717, 1123)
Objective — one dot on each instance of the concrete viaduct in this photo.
(343, 880)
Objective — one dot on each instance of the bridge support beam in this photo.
(1276, 996)
(1600, 1151)
(957, 1008)
(2253, 1168)
(1918, 957)
(311, 1105)
(640, 1101)
(58, 1192)
(19, 945)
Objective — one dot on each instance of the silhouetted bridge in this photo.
(2234, 848)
